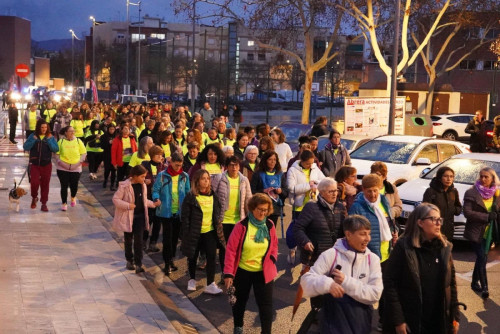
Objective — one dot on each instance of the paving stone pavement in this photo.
(63, 272)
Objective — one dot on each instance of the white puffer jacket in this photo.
(297, 182)
(363, 276)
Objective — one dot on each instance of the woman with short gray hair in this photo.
(320, 223)
(251, 161)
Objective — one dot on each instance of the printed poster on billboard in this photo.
(370, 116)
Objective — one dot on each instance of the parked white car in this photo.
(466, 167)
(451, 126)
(405, 156)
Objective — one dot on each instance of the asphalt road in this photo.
(480, 316)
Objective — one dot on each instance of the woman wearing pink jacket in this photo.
(251, 254)
(131, 215)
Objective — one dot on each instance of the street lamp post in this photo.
(93, 54)
(193, 79)
(72, 56)
(138, 90)
(127, 89)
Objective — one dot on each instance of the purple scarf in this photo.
(486, 193)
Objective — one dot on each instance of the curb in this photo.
(157, 284)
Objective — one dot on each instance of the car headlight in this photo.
(15, 96)
(57, 98)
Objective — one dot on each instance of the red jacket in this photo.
(117, 150)
(235, 245)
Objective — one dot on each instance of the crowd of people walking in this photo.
(220, 188)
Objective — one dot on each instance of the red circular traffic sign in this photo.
(22, 70)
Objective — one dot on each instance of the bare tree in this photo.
(281, 25)
(463, 32)
(370, 15)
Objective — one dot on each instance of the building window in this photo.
(210, 41)
(158, 36)
(251, 43)
(261, 57)
(135, 37)
(210, 55)
(489, 65)
(468, 65)
(250, 56)
(492, 33)
(178, 36)
(120, 36)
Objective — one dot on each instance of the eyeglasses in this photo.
(331, 192)
(262, 210)
(435, 220)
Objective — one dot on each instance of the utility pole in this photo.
(193, 79)
(138, 90)
(394, 74)
(72, 56)
(126, 89)
(93, 54)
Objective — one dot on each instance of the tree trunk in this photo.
(429, 103)
(306, 101)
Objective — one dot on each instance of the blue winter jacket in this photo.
(360, 207)
(162, 189)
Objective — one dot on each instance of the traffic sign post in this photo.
(22, 70)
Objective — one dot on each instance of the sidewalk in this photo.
(64, 272)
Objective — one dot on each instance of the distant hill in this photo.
(57, 44)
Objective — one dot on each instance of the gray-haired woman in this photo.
(420, 289)
(481, 203)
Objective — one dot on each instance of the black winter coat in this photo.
(403, 290)
(477, 135)
(476, 214)
(448, 203)
(191, 218)
(320, 226)
(106, 140)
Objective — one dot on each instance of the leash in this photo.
(22, 178)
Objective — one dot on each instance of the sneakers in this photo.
(139, 269)
(45, 208)
(213, 289)
(33, 202)
(291, 256)
(191, 285)
(130, 265)
(64, 207)
(173, 267)
(73, 202)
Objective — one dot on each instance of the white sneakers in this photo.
(213, 289)
(191, 285)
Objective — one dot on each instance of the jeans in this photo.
(207, 242)
(479, 273)
(135, 238)
(40, 178)
(68, 179)
(243, 281)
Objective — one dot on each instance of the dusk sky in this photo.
(51, 19)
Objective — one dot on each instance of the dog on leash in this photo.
(15, 195)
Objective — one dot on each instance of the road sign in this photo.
(315, 87)
(22, 70)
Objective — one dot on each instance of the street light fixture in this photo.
(127, 89)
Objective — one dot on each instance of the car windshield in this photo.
(386, 151)
(469, 169)
(293, 132)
